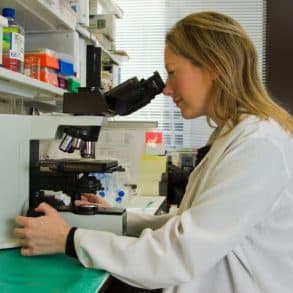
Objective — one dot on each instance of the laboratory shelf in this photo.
(91, 39)
(110, 6)
(40, 16)
(14, 84)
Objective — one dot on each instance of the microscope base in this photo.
(107, 219)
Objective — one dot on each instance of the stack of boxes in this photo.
(55, 68)
(48, 61)
(65, 72)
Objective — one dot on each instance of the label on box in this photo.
(153, 137)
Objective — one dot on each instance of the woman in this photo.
(234, 228)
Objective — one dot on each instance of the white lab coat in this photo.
(233, 231)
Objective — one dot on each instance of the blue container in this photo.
(65, 67)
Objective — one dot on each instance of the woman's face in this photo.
(190, 86)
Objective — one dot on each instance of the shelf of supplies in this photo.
(91, 39)
(14, 84)
(109, 57)
(86, 34)
(39, 16)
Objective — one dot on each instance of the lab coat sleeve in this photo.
(240, 191)
(136, 222)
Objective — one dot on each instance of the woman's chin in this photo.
(189, 115)
(186, 114)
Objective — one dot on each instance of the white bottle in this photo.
(13, 42)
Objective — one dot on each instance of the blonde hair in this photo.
(219, 44)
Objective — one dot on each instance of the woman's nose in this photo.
(167, 91)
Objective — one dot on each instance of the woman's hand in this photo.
(91, 198)
(42, 235)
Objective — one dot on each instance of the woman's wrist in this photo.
(69, 244)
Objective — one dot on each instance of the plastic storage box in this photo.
(49, 75)
(73, 85)
(48, 64)
(48, 58)
(65, 67)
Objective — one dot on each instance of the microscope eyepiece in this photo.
(124, 99)
(133, 94)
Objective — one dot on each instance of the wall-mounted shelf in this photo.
(14, 84)
(38, 16)
(87, 35)
(41, 17)
(110, 6)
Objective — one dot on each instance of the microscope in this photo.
(73, 177)
(25, 176)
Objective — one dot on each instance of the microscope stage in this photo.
(78, 165)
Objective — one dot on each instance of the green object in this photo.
(73, 85)
(46, 274)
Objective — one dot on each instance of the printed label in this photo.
(16, 46)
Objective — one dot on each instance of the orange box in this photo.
(49, 76)
(48, 58)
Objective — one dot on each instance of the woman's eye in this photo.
(170, 72)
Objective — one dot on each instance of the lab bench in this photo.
(47, 274)
(60, 273)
